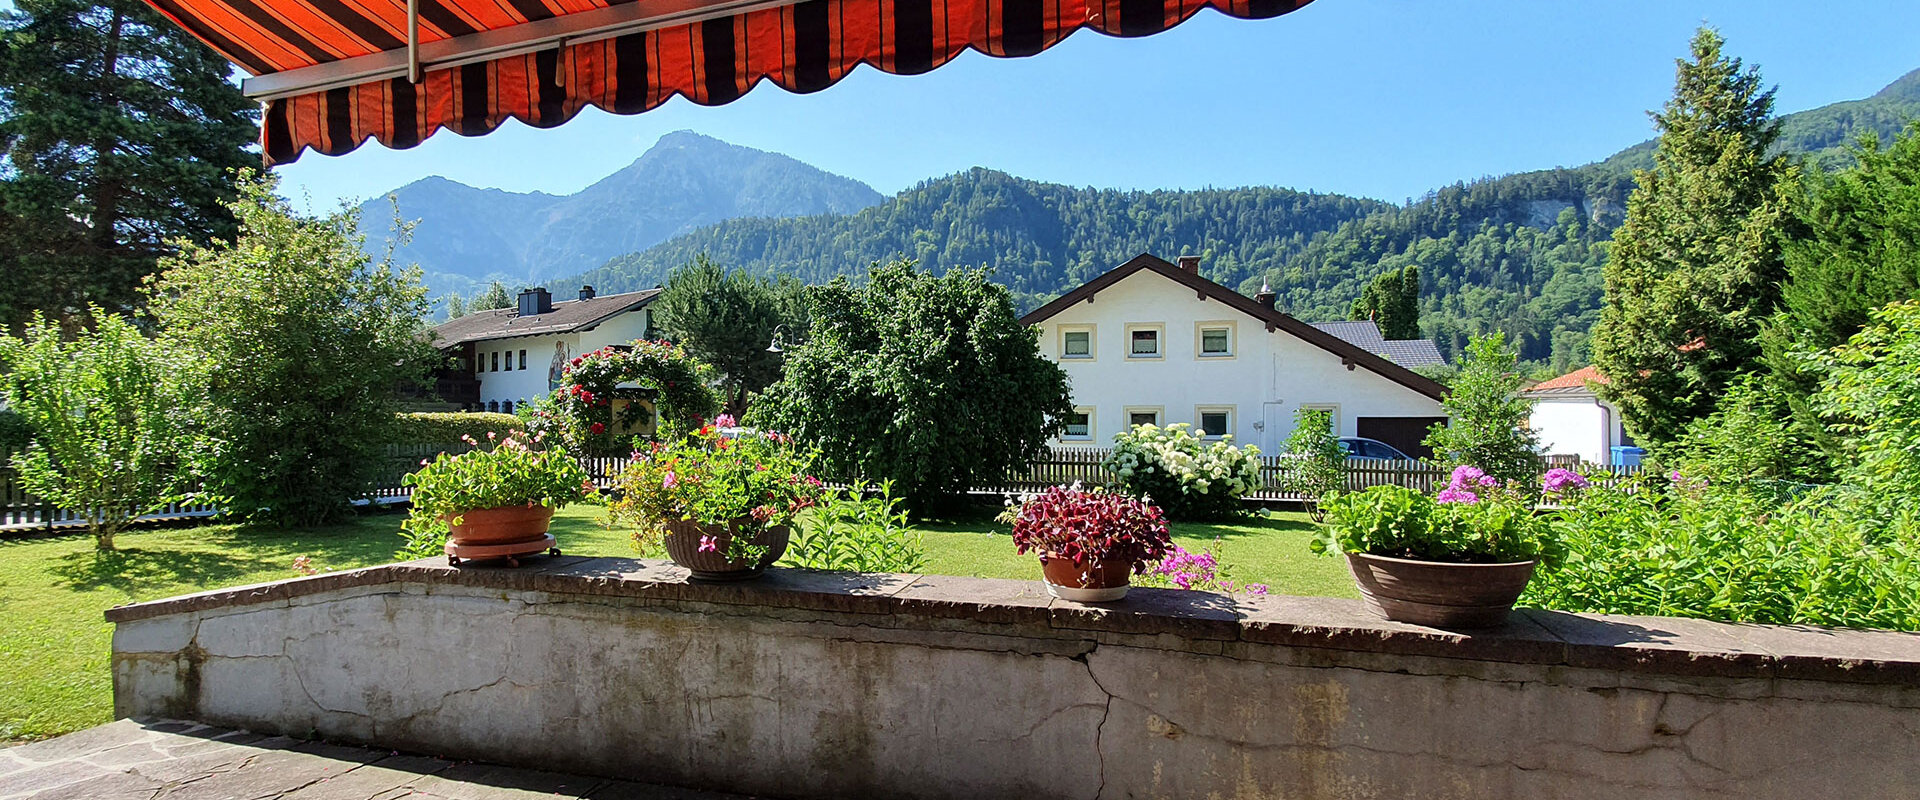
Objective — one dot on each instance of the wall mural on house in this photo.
(559, 366)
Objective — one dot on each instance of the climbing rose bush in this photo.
(1189, 477)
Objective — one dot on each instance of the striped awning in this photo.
(333, 73)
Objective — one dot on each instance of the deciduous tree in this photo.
(728, 320)
(1486, 416)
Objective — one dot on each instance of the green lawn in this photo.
(54, 646)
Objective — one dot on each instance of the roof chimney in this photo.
(586, 292)
(1266, 296)
(1190, 264)
(535, 301)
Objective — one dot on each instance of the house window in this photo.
(1213, 339)
(523, 359)
(1333, 413)
(1143, 341)
(496, 361)
(1213, 421)
(506, 407)
(1079, 425)
(1076, 342)
(1143, 416)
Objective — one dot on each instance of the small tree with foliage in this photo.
(726, 319)
(1392, 301)
(304, 339)
(494, 296)
(1871, 397)
(1315, 466)
(106, 412)
(1486, 416)
(1696, 266)
(930, 381)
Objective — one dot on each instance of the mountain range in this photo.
(1520, 253)
(464, 237)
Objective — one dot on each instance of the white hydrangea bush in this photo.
(1189, 477)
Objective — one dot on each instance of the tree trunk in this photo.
(105, 218)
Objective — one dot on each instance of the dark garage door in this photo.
(1404, 433)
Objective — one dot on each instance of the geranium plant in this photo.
(1190, 477)
(502, 471)
(1474, 520)
(1088, 526)
(758, 479)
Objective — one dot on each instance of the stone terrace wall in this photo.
(810, 684)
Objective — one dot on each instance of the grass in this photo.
(54, 647)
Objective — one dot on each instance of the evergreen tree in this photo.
(495, 296)
(456, 307)
(122, 133)
(1696, 266)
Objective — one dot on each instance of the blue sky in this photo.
(1381, 98)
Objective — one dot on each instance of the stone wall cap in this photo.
(1661, 645)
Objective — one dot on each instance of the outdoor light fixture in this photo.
(777, 344)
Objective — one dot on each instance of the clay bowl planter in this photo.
(1439, 594)
(1103, 582)
(507, 532)
(683, 546)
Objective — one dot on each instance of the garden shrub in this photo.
(1870, 396)
(857, 530)
(1750, 436)
(445, 428)
(1188, 477)
(1316, 466)
(1473, 521)
(1487, 416)
(1690, 548)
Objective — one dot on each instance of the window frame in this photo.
(1090, 435)
(495, 361)
(1200, 412)
(1093, 341)
(1159, 415)
(1200, 339)
(1333, 414)
(523, 359)
(1159, 339)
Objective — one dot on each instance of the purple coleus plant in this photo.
(1091, 525)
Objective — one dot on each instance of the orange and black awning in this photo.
(333, 73)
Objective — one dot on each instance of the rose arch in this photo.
(613, 394)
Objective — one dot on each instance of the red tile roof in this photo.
(1577, 379)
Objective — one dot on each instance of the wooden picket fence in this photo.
(19, 510)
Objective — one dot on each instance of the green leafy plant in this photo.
(1870, 395)
(755, 480)
(1315, 466)
(107, 418)
(1487, 417)
(513, 470)
(859, 529)
(1473, 521)
(447, 428)
(1685, 547)
(1189, 477)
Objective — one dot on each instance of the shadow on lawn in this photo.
(133, 570)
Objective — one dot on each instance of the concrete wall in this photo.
(810, 684)
(1269, 376)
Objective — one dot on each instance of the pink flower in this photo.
(709, 544)
(670, 481)
(1452, 495)
(1257, 588)
(492, 436)
(725, 421)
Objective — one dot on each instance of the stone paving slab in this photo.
(168, 760)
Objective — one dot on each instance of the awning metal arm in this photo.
(413, 42)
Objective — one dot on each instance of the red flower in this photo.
(597, 428)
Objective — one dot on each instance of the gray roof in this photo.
(1366, 335)
(567, 316)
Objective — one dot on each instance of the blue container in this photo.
(1627, 456)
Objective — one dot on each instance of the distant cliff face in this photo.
(465, 236)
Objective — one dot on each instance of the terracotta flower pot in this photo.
(1103, 581)
(1438, 594)
(506, 532)
(683, 546)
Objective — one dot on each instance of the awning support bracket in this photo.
(413, 42)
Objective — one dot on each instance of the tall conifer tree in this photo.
(121, 133)
(1696, 267)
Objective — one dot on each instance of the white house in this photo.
(1573, 420)
(516, 354)
(1151, 342)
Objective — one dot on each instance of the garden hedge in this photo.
(443, 428)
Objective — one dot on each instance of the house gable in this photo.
(1269, 319)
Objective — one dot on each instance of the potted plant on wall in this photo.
(1458, 559)
(1090, 541)
(493, 501)
(722, 505)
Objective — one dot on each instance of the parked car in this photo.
(1371, 450)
